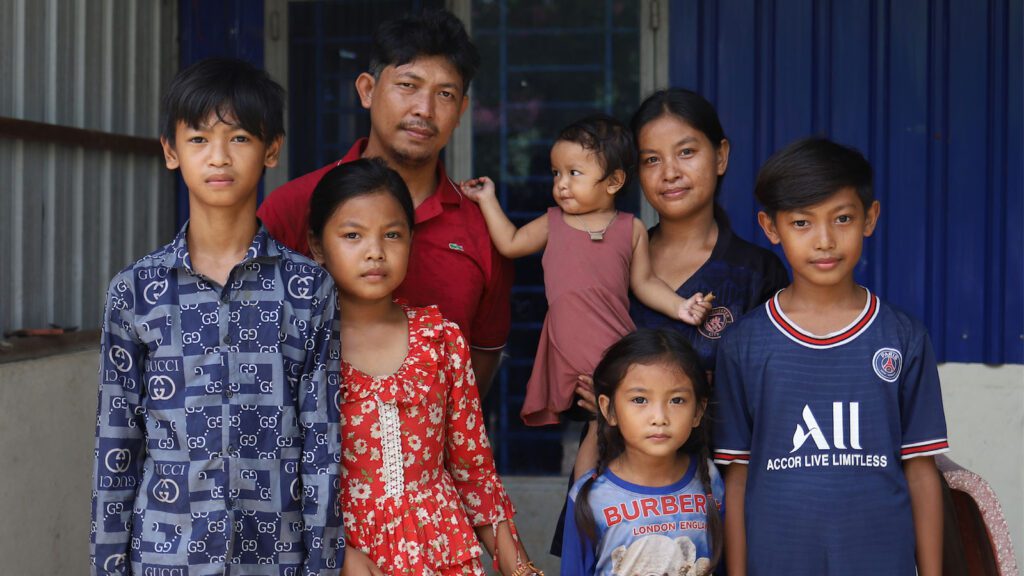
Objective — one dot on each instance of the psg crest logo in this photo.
(887, 363)
(716, 322)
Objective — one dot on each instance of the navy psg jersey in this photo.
(823, 424)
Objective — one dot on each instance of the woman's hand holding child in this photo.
(585, 390)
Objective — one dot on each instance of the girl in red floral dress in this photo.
(419, 491)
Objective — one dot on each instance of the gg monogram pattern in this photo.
(217, 441)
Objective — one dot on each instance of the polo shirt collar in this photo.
(446, 193)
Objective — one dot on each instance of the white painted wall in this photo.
(47, 423)
(985, 421)
(47, 426)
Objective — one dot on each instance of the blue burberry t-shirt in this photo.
(217, 442)
(643, 529)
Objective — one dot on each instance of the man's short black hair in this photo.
(809, 171)
(230, 88)
(434, 33)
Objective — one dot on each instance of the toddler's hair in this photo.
(231, 89)
(808, 172)
(434, 33)
(605, 137)
(353, 179)
(651, 347)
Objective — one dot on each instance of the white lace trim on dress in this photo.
(391, 441)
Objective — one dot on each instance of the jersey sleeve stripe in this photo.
(726, 462)
(924, 448)
(925, 443)
(726, 457)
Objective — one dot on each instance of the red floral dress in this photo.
(417, 471)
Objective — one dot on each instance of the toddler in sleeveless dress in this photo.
(593, 256)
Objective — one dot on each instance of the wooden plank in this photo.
(28, 130)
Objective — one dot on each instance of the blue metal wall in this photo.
(930, 91)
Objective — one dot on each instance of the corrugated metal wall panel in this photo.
(930, 90)
(71, 217)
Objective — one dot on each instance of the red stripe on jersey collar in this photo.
(848, 333)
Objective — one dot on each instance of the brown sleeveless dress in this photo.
(587, 287)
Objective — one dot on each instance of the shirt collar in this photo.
(262, 247)
(447, 192)
(725, 235)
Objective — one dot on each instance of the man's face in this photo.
(414, 108)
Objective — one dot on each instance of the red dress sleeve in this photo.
(468, 455)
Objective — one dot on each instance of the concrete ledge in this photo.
(47, 426)
(538, 501)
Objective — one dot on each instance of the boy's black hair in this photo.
(808, 172)
(607, 138)
(433, 33)
(650, 347)
(353, 179)
(231, 89)
(690, 107)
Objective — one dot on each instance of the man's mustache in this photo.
(421, 125)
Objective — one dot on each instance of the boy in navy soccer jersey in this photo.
(827, 399)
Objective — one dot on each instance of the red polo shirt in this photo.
(453, 263)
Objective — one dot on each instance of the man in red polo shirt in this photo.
(415, 90)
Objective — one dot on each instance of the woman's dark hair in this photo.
(607, 138)
(353, 179)
(229, 88)
(810, 170)
(690, 107)
(649, 347)
(433, 33)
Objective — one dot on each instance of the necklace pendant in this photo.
(596, 236)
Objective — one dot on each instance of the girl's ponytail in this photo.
(585, 522)
(714, 523)
(584, 516)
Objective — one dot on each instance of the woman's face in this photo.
(679, 167)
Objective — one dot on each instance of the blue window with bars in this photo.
(329, 46)
(546, 64)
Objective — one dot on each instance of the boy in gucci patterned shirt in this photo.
(217, 444)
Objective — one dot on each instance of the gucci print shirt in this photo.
(217, 441)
